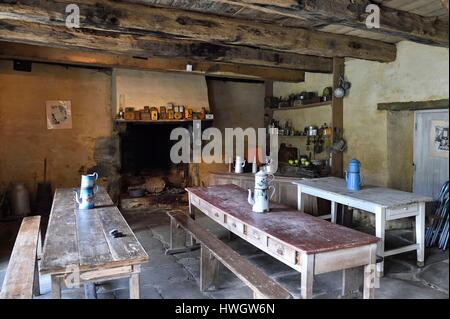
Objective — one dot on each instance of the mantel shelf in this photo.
(305, 106)
(158, 121)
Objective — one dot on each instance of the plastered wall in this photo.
(24, 138)
(144, 88)
(420, 73)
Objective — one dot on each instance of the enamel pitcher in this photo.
(88, 181)
(239, 165)
(353, 176)
(85, 198)
(260, 198)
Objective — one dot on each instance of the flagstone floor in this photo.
(177, 277)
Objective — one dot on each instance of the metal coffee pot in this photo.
(85, 197)
(260, 199)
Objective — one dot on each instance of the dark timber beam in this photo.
(153, 47)
(85, 58)
(413, 106)
(352, 13)
(124, 19)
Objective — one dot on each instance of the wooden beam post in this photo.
(337, 111)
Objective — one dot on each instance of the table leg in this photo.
(334, 212)
(370, 275)
(307, 279)
(191, 210)
(36, 283)
(380, 224)
(89, 290)
(56, 287)
(135, 292)
(300, 201)
(420, 235)
(192, 240)
(351, 282)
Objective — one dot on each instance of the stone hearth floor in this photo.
(177, 277)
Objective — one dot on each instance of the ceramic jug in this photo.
(88, 181)
(85, 198)
(239, 165)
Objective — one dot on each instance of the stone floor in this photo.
(176, 277)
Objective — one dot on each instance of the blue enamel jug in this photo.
(353, 176)
(85, 198)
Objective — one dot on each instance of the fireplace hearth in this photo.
(146, 164)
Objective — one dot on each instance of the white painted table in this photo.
(387, 204)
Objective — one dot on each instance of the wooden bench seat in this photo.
(214, 251)
(22, 277)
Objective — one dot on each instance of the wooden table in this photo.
(387, 204)
(79, 249)
(306, 243)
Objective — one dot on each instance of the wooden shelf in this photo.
(159, 121)
(292, 136)
(305, 106)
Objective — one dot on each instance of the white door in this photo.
(430, 152)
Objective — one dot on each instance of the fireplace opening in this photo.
(148, 176)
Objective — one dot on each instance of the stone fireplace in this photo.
(146, 164)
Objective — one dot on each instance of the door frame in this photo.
(415, 138)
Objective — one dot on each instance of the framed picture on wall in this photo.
(59, 115)
(439, 136)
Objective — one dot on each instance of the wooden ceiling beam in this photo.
(34, 53)
(154, 47)
(319, 13)
(352, 13)
(135, 19)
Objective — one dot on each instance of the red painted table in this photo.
(306, 243)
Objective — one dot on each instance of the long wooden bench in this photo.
(214, 251)
(22, 276)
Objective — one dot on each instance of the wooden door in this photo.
(430, 152)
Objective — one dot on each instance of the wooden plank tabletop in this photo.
(80, 238)
(301, 231)
(381, 196)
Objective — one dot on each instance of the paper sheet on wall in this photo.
(59, 115)
(439, 139)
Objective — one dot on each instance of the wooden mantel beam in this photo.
(127, 19)
(154, 47)
(350, 13)
(34, 53)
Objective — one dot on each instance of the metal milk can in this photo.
(353, 176)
